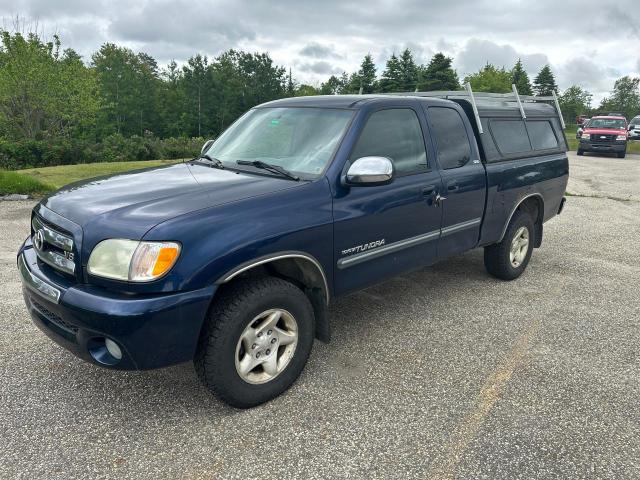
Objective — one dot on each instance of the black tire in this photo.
(622, 154)
(228, 317)
(580, 152)
(497, 259)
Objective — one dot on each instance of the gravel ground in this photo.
(442, 373)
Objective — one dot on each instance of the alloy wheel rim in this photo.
(266, 346)
(519, 247)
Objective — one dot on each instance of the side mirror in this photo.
(369, 171)
(206, 146)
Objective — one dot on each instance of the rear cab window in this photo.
(510, 136)
(541, 135)
(517, 138)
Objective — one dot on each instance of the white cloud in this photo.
(299, 33)
(316, 50)
(477, 53)
(320, 67)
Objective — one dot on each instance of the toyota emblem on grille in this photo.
(38, 239)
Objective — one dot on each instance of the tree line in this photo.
(51, 98)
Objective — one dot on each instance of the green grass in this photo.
(13, 182)
(65, 174)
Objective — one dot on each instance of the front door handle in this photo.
(439, 199)
(452, 187)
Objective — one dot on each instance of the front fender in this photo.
(217, 240)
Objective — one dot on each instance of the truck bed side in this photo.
(512, 182)
(538, 177)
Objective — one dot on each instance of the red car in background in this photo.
(606, 134)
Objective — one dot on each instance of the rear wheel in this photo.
(256, 341)
(509, 258)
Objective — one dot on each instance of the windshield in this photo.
(301, 140)
(615, 123)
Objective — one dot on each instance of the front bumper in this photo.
(152, 331)
(589, 146)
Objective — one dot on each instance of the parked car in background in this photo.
(582, 127)
(634, 128)
(606, 134)
(580, 119)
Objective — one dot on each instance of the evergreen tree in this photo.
(118, 72)
(171, 99)
(392, 76)
(438, 75)
(291, 86)
(545, 83)
(520, 79)
(408, 72)
(148, 84)
(196, 81)
(367, 75)
(344, 84)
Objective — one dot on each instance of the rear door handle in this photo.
(452, 187)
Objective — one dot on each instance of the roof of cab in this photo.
(486, 108)
(344, 101)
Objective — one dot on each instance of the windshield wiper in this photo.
(214, 162)
(269, 167)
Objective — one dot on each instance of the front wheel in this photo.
(256, 341)
(580, 152)
(509, 258)
(622, 154)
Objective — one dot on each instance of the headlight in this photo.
(621, 137)
(133, 261)
(586, 136)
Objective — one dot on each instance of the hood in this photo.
(134, 202)
(605, 131)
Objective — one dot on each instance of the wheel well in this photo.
(534, 206)
(303, 272)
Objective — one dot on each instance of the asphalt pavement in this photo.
(442, 373)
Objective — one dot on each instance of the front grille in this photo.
(602, 138)
(53, 246)
(53, 318)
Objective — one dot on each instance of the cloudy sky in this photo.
(587, 42)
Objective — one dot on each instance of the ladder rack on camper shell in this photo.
(469, 95)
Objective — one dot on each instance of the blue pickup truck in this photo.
(230, 260)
